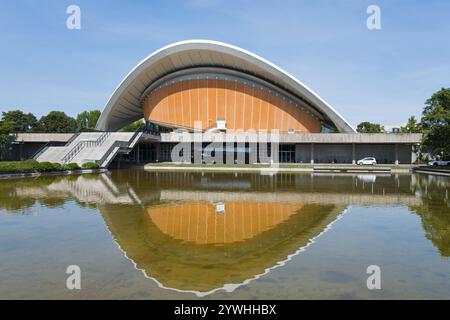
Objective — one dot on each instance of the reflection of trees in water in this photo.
(86, 190)
(435, 211)
(11, 201)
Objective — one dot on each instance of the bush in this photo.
(47, 166)
(58, 167)
(90, 165)
(7, 167)
(35, 166)
(30, 162)
(19, 166)
(71, 166)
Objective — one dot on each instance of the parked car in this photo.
(367, 160)
(439, 163)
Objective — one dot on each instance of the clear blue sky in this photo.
(381, 76)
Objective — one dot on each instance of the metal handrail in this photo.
(82, 144)
(40, 151)
(120, 144)
(135, 135)
(75, 135)
(108, 152)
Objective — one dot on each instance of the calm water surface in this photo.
(147, 235)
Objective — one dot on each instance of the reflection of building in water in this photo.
(183, 251)
(200, 223)
(243, 231)
(143, 188)
(86, 189)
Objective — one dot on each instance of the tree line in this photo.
(16, 121)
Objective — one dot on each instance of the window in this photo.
(327, 128)
(287, 153)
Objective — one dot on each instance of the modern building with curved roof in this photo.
(222, 91)
(210, 81)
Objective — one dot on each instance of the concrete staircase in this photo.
(99, 147)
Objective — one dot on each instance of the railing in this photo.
(147, 131)
(82, 144)
(40, 151)
(48, 144)
(75, 135)
(120, 144)
(109, 151)
(135, 137)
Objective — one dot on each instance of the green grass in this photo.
(30, 166)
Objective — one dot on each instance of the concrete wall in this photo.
(405, 154)
(384, 153)
(332, 153)
(42, 137)
(23, 151)
(302, 153)
(343, 153)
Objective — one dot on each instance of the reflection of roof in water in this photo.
(205, 268)
(200, 223)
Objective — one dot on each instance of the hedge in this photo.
(28, 166)
(71, 166)
(90, 165)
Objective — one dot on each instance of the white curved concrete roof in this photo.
(125, 104)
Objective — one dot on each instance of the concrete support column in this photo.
(396, 154)
(353, 154)
(138, 158)
(157, 152)
(21, 151)
(312, 153)
(263, 153)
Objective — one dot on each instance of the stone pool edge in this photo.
(275, 169)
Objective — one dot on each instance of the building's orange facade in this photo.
(242, 106)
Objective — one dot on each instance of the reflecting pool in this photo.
(184, 235)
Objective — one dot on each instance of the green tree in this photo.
(56, 122)
(412, 126)
(87, 120)
(434, 211)
(135, 126)
(5, 139)
(368, 127)
(436, 122)
(18, 121)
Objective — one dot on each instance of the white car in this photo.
(439, 163)
(367, 160)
